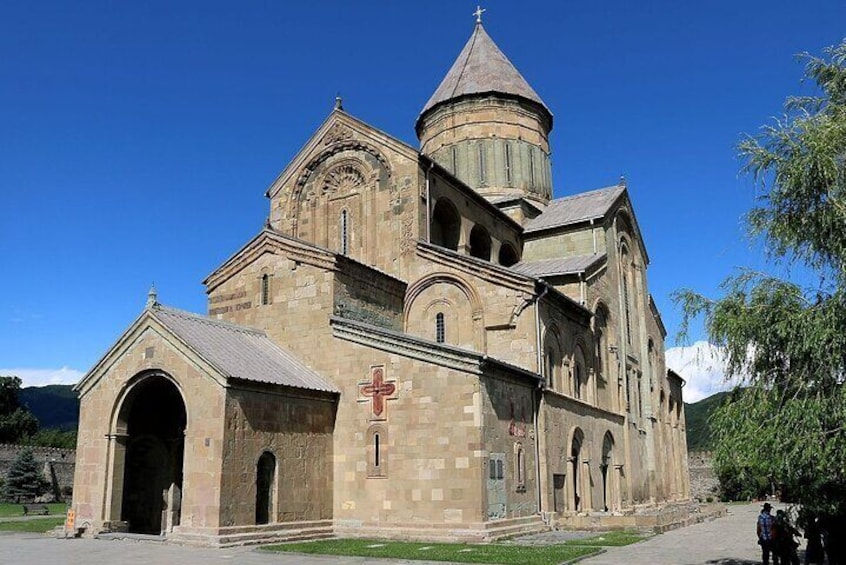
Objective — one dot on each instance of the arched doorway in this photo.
(576, 490)
(265, 475)
(154, 417)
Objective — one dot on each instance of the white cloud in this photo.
(702, 365)
(41, 377)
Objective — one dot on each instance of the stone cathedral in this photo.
(420, 344)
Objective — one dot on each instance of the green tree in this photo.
(786, 343)
(23, 481)
(16, 421)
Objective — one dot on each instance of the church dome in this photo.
(487, 125)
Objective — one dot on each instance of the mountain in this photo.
(55, 406)
(697, 416)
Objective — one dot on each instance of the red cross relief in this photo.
(378, 391)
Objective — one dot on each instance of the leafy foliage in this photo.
(786, 344)
(24, 481)
(16, 422)
(53, 438)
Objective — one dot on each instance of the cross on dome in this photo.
(478, 13)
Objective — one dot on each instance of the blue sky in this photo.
(137, 138)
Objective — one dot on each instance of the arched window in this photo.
(440, 328)
(626, 276)
(265, 289)
(265, 473)
(446, 225)
(345, 241)
(507, 255)
(480, 243)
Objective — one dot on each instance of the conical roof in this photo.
(482, 68)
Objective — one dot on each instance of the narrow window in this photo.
(440, 328)
(507, 163)
(481, 163)
(500, 469)
(376, 447)
(344, 232)
(492, 469)
(455, 160)
(265, 289)
(376, 454)
(521, 467)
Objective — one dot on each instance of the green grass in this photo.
(9, 510)
(613, 538)
(39, 525)
(455, 552)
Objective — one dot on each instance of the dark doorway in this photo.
(265, 472)
(152, 481)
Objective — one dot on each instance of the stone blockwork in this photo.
(703, 479)
(57, 465)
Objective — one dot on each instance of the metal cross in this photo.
(478, 13)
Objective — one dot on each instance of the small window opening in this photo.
(376, 453)
(344, 232)
(440, 328)
(265, 289)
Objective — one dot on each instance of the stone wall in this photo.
(56, 464)
(703, 479)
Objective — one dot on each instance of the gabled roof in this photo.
(239, 352)
(577, 208)
(562, 266)
(482, 68)
(232, 351)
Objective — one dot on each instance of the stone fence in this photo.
(56, 464)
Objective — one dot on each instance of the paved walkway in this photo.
(726, 541)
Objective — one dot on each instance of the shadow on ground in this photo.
(731, 561)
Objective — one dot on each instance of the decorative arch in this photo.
(446, 225)
(461, 303)
(553, 357)
(147, 437)
(480, 243)
(508, 255)
(602, 362)
(581, 380)
(611, 470)
(578, 487)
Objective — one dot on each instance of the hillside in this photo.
(55, 406)
(697, 417)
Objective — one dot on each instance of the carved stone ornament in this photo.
(341, 179)
(338, 132)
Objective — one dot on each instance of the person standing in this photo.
(766, 539)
